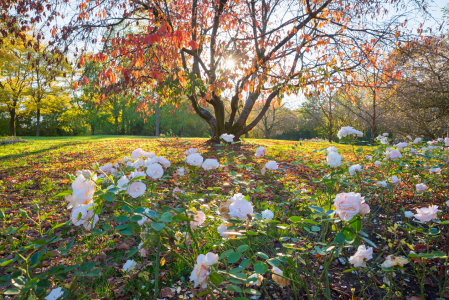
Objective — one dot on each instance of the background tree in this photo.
(419, 97)
(246, 49)
(15, 71)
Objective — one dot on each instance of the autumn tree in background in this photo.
(326, 110)
(48, 84)
(15, 82)
(364, 96)
(246, 50)
(419, 98)
(276, 120)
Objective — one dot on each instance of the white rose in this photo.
(395, 180)
(122, 183)
(382, 183)
(334, 159)
(164, 162)
(267, 214)
(83, 189)
(82, 215)
(136, 174)
(377, 163)
(138, 163)
(394, 154)
(180, 172)
(331, 149)
(136, 189)
(354, 168)
(200, 272)
(271, 165)
(55, 294)
(194, 160)
(73, 201)
(227, 137)
(211, 259)
(435, 170)
(408, 214)
(144, 218)
(199, 218)
(368, 157)
(136, 153)
(421, 187)
(260, 152)
(238, 196)
(210, 164)
(417, 140)
(148, 154)
(155, 171)
(361, 256)
(129, 265)
(191, 151)
(240, 209)
(427, 214)
(224, 231)
(402, 145)
(106, 168)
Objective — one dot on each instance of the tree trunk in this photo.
(122, 130)
(373, 124)
(38, 120)
(329, 135)
(219, 117)
(92, 129)
(158, 104)
(116, 124)
(12, 121)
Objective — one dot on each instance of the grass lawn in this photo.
(33, 173)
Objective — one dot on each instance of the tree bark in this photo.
(158, 104)
(373, 124)
(329, 136)
(12, 121)
(116, 124)
(38, 120)
(122, 130)
(92, 129)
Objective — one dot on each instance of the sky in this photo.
(433, 20)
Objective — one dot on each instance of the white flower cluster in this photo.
(348, 130)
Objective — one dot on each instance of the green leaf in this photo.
(242, 248)
(183, 217)
(316, 208)
(226, 254)
(136, 218)
(339, 239)
(245, 263)
(35, 257)
(234, 288)
(260, 267)
(356, 224)
(274, 262)
(157, 226)
(121, 219)
(94, 273)
(11, 291)
(204, 293)
(251, 232)
(64, 193)
(127, 208)
(369, 242)
(295, 219)
(349, 235)
(166, 217)
(262, 255)
(234, 257)
(126, 232)
(6, 262)
(252, 292)
(215, 278)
